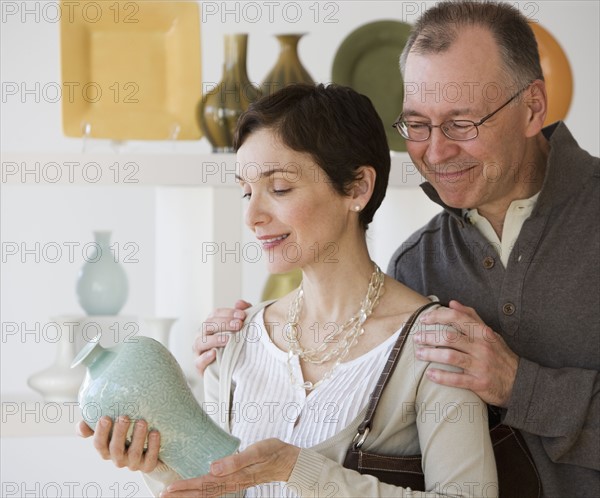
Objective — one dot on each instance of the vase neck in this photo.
(235, 56)
(102, 238)
(95, 358)
(288, 42)
(66, 349)
(160, 329)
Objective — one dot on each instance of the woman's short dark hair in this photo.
(336, 125)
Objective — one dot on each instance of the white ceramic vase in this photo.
(102, 286)
(59, 382)
(159, 329)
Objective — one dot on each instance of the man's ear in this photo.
(536, 99)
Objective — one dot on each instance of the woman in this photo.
(313, 165)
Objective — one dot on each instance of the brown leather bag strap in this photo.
(365, 426)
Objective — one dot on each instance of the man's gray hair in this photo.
(439, 27)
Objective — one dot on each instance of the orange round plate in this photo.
(557, 73)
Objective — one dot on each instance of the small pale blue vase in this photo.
(102, 286)
(142, 379)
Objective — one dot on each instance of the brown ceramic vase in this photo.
(220, 108)
(288, 68)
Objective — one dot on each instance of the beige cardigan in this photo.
(447, 425)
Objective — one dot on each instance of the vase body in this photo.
(102, 286)
(281, 284)
(142, 380)
(220, 108)
(59, 382)
(288, 68)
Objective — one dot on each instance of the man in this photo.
(518, 239)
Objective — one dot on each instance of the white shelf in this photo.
(184, 170)
(31, 416)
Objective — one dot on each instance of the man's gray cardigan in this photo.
(545, 303)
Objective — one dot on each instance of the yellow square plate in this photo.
(131, 69)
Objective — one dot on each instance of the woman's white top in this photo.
(266, 404)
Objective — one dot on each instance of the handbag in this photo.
(517, 474)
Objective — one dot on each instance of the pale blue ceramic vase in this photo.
(102, 286)
(142, 379)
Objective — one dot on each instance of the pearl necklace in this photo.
(348, 333)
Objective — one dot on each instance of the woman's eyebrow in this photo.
(263, 174)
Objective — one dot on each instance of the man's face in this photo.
(467, 82)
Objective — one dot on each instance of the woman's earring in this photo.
(357, 208)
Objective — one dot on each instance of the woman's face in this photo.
(296, 215)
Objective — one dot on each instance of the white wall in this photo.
(33, 291)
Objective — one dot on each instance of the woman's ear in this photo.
(537, 108)
(362, 187)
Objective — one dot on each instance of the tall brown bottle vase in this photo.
(220, 108)
(288, 68)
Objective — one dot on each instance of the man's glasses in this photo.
(454, 129)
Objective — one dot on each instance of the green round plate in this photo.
(368, 60)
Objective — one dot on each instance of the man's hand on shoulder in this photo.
(489, 365)
(212, 334)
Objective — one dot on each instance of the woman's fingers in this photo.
(83, 430)
(118, 441)
(102, 437)
(137, 452)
